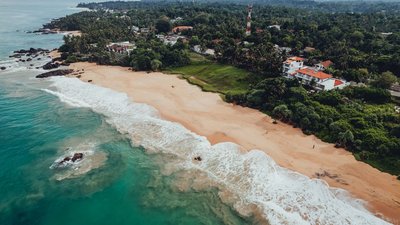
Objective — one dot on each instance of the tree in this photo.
(156, 64)
(281, 112)
(163, 25)
(345, 138)
(385, 80)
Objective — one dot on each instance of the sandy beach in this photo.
(206, 114)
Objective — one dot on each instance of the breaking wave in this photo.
(251, 182)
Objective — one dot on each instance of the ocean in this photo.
(137, 168)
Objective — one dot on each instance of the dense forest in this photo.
(364, 47)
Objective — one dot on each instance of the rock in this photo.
(77, 156)
(55, 73)
(31, 65)
(198, 158)
(39, 58)
(31, 51)
(28, 59)
(3, 68)
(89, 81)
(51, 65)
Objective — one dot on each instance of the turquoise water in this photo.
(126, 187)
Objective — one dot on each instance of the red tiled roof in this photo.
(326, 63)
(294, 59)
(181, 28)
(313, 73)
(338, 82)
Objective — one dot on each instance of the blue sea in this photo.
(137, 168)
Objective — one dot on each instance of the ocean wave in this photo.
(252, 179)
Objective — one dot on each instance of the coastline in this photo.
(207, 115)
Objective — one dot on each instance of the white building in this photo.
(207, 51)
(278, 27)
(291, 65)
(323, 65)
(170, 39)
(121, 47)
(293, 68)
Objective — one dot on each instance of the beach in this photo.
(208, 115)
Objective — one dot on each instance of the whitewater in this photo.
(250, 181)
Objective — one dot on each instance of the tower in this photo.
(248, 26)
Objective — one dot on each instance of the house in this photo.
(207, 51)
(179, 29)
(291, 65)
(282, 49)
(176, 19)
(308, 49)
(135, 29)
(170, 39)
(320, 80)
(121, 47)
(323, 65)
(294, 68)
(144, 30)
(278, 27)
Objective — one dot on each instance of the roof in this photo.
(294, 59)
(313, 73)
(182, 28)
(337, 82)
(326, 63)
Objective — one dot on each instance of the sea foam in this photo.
(254, 180)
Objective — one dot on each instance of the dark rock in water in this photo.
(31, 51)
(15, 56)
(51, 65)
(3, 68)
(77, 156)
(55, 73)
(31, 65)
(39, 58)
(198, 158)
(28, 59)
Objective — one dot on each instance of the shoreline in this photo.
(206, 114)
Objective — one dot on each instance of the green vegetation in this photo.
(364, 48)
(213, 76)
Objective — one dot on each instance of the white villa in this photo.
(121, 47)
(170, 39)
(207, 51)
(293, 68)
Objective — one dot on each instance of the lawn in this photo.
(212, 76)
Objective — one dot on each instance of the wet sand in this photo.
(206, 114)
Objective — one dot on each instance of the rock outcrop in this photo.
(55, 73)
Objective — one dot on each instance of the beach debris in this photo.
(334, 177)
(198, 158)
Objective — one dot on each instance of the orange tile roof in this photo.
(181, 28)
(337, 83)
(313, 73)
(294, 59)
(326, 63)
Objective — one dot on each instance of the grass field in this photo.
(212, 76)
